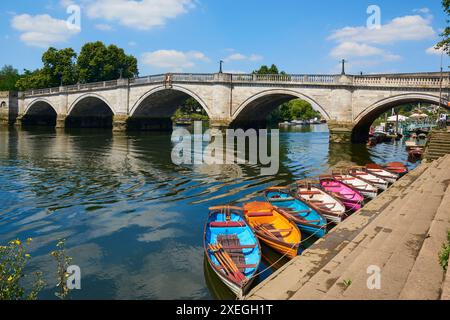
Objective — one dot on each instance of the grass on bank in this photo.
(445, 253)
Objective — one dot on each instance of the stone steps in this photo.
(438, 146)
(396, 255)
(427, 275)
(446, 287)
(388, 251)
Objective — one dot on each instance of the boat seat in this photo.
(309, 193)
(259, 214)
(240, 247)
(231, 224)
(281, 199)
(241, 266)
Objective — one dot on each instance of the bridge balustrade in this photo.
(406, 80)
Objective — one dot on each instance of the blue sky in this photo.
(193, 35)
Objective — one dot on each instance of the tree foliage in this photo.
(273, 69)
(445, 43)
(96, 62)
(8, 78)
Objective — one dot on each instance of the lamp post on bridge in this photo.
(221, 66)
(343, 67)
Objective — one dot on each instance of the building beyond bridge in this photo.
(348, 103)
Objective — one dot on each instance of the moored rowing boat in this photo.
(365, 188)
(330, 207)
(273, 228)
(306, 218)
(361, 173)
(351, 198)
(379, 172)
(231, 248)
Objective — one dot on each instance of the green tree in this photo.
(60, 66)
(36, 79)
(302, 110)
(8, 78)
(445, 43)
(97, 62)
(266, 70)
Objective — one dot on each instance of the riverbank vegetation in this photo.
(445, 253)
(95, 62)
(191, 110)
(445, 43)
(16, 284)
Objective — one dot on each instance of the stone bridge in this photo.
(348, 103)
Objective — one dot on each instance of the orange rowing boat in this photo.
(273, 228)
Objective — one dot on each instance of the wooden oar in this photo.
(231, 263)
(265, 231)
(227, 263)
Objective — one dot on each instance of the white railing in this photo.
(431, 80)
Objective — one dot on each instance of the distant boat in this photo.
(273, 228)
(231, 248)
(306, 218)
(183, 122)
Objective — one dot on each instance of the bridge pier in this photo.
(340, 132)
(9, 107)
(120, 123)
(19, 120)
(60, 121)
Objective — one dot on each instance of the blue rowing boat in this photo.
(231, 248)
(307, 219)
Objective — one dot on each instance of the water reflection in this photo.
(133, 220)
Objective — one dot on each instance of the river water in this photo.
(133, 220)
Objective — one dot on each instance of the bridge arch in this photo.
(175, 93)
(154, 109)
(259, 106)
(90, 111)
(3, 104)
(366, 118)
(40, 112)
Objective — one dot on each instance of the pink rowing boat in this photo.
(351, 198)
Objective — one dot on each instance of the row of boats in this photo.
(233, 235)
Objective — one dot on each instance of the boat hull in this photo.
(262, 213)
(352, 199)
(230, 230)
(310, 222)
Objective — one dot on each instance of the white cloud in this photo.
(104, 27)
(407, 28)
(434, 51)
(243, 57)
(354, 49)
(142, 15)
(362, 42)
(43, 30)
(173, 60)
(422, 10)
